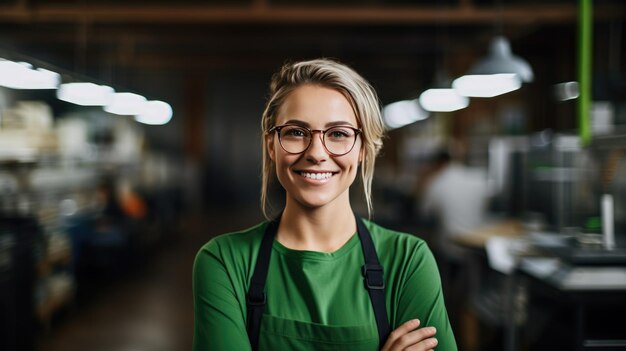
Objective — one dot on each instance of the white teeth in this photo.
(317, 176)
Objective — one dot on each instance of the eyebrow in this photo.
(329, 124)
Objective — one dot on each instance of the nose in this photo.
(316, 152)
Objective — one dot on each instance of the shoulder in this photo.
(399, 250)
(384, 236)
(239, 244)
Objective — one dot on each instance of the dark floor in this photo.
(148, 308)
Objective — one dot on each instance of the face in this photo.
(315, 178)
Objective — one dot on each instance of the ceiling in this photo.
(96, 37)
(396, 44)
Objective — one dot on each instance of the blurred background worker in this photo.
(455, 198)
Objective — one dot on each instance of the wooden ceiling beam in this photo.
(261, 12)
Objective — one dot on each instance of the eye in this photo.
(340, 133)
(294, 132)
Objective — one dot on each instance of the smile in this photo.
(316, 175)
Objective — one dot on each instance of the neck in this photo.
(324, 229)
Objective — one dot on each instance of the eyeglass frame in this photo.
(357, 132)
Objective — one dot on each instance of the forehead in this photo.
(316, 105)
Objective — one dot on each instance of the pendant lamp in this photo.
(442, 98)
(22, 75)
(126, 104)
(155, 113)
(499, 73)
(486, 85)
(85, 94)
(501, 60)
(401, 113)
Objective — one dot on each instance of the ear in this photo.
(269, 144)
(361, 154)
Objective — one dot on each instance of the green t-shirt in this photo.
(315, 300)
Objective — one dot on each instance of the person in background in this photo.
(455, 197)
(317, 277)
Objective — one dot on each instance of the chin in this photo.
(312, 202)
(315, 199)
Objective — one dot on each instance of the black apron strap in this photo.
(374, 281)
(256, 293)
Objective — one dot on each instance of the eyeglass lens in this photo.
(337, 140)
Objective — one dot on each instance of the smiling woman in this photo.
(317, 277)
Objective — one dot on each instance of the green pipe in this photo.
(585, 38)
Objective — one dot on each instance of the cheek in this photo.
(351, 165)
(283, 160)
(282, 166)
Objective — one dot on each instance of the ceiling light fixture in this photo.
(486, 85)
(499, 73)
(401, 113)
(442, 100)
(155, 113)
(21, 75)
(127, 104)
(85, 94)
(502, 60)
(566, 91)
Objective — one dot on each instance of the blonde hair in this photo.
(334, 75)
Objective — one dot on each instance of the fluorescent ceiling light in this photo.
(442, 100)
(85, 94)
(401, 113)
(155, 113)
(486, 85)
(566, 91)
(126, 104)
(21, 75)
(502, 60)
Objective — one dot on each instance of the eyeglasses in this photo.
(294, 139)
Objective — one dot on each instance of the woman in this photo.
(299, 282)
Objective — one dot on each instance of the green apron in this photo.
(296, 335)
(304, 333)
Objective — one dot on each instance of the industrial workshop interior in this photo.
(130, 136)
